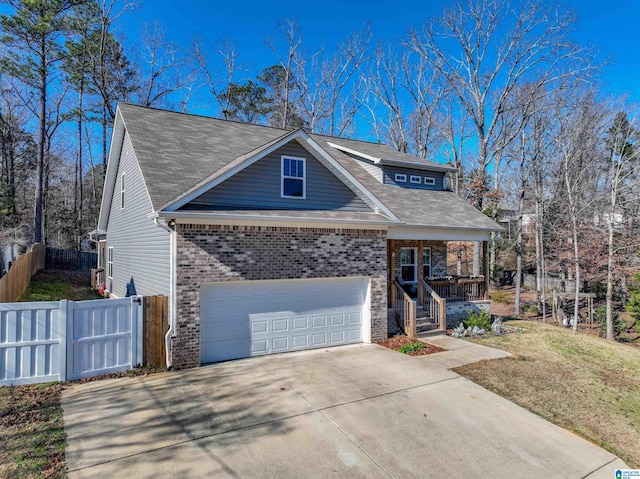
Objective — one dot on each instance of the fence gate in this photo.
(66, 340)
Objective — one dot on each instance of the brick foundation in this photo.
(211, 253)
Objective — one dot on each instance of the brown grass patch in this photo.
(32, 431)
(580, 382)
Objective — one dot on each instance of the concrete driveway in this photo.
(351, 411)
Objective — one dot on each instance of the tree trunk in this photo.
(576, 260)
(38, 209)
(104, 139)
(610, 332)
(78, 198)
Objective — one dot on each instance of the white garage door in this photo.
(252, 318)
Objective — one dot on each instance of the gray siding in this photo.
(390, 173)
(140, 248)
(258, 187)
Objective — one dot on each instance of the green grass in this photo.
(57, 285)
(579, 381)
(32, 432)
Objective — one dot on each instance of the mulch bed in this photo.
(397, 342)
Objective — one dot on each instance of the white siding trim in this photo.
(354, 152)
(444, 234)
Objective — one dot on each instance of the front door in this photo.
(409, 264)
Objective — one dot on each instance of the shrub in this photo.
(530, 307)
(499, 297)
(412, 348)
(600, 315)
(480, 319)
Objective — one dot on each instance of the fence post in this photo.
(136, 330)
(64, 350)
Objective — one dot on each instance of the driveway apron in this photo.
(349, 411)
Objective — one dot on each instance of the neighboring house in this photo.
(267, 240)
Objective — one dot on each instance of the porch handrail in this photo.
(404, 309)
(461, 289)
(434, 302)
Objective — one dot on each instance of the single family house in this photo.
(267, 240)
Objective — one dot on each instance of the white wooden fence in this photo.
(67, 340)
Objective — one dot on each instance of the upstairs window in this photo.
(415, 179)
(122, 191)
(400, 177)
(293, 177)
(429, 180)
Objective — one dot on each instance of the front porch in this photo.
(423, 298)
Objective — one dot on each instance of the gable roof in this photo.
(181, 155)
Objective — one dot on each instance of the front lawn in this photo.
(57, 285)
(578, 381)
(32, 432)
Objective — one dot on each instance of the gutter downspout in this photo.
(170, 227)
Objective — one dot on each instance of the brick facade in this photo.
(211, 253)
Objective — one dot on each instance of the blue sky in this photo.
(610, 26)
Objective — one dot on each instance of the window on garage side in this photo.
(408, 264)
(122, 191)
(293, 177)
(110, 262)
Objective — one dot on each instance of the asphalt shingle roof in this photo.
(177, 151)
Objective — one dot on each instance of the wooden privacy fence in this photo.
(15, 282)
(154, 326)
(70, 259)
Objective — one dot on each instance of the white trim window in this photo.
(409, 265)
(122, 191)
(110, 262)
(426, 262)
(294, 177)
(400, 177)
(429, 180)
(415, 179)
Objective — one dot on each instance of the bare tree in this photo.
(329, 87)
(214, 79)
(162, 69)
(621, 141)
(409, 94)
(283, 80)
(497, 47)
(580, 147)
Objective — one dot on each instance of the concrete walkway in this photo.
(351, 411)
(459, 352)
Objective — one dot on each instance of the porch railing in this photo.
(404, 309)
(459, 289)
(433, 303)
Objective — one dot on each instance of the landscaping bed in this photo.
(580, 382)
(398, 342)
